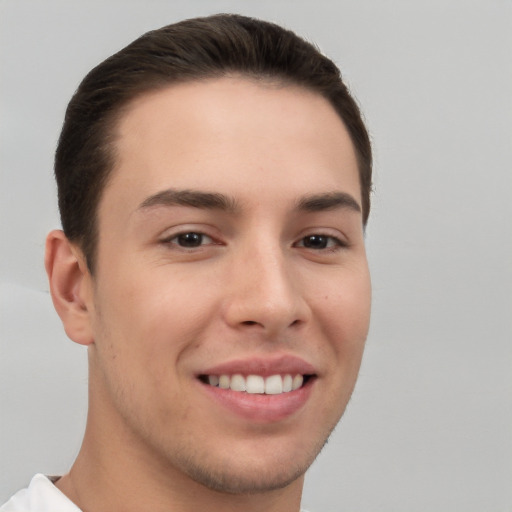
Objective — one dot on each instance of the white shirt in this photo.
(41, 496)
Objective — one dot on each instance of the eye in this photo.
(190, 240)
(319, 242)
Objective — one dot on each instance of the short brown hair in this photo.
(190, 50)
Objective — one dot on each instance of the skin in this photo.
(156, 313)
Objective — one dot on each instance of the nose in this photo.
(264, 293)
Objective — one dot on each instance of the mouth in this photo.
(254, 384)
(264, 390)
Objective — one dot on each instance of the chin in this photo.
(247, 480)
(246, 474)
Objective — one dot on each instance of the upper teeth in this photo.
(272, 385)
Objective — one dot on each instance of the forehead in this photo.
(232, 133)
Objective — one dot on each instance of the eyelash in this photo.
(332, 243)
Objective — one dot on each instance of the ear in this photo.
(70, 286)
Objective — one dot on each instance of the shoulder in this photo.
(40, 496)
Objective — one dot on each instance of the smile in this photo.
(257, 384)
(261, 390)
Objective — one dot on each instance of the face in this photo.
(230, 257)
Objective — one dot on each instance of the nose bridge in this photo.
(264, 292)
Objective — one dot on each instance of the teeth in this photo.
(287, 383)
(256, 384)
(224, 381)
(274, 385)
(297, 382)
(213, 380)
(237, 383)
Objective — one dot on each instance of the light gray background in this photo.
(429, 425)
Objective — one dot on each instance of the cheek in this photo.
(154, 317)
(346, 314)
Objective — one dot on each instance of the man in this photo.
(214, 180)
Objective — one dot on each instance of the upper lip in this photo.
(264, 366)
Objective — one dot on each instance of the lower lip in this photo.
(259, 407)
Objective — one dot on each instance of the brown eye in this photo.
(315, 241)
(190, 239)
(319, 242)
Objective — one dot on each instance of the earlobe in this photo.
(70, 286)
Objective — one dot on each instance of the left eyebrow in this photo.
(328, 201)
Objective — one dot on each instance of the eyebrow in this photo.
(328, 201)
(216, 201)
(193, 198)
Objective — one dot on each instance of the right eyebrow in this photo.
(193, 198)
